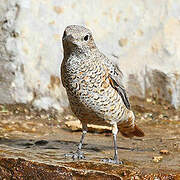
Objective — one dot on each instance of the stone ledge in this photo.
(22, 169)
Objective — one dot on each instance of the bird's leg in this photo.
(115, 160)
(79, 154)
(115, 131)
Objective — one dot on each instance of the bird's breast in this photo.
(85, 80)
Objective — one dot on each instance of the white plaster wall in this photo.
(142, 36)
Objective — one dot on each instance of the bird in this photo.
(95, 90)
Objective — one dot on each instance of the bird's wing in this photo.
(115, 78)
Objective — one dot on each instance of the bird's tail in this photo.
(136, 131)
(128, 127)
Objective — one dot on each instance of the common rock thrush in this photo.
(94, 87)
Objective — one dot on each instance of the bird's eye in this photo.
(86, 38)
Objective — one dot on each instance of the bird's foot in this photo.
(113, 161)
(77, 155)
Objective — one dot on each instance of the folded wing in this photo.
(115, 78)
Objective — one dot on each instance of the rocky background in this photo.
(142, 36)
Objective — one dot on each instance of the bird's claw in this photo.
(113, 161)
(76, 155)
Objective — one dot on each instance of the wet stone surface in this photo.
(33, 144)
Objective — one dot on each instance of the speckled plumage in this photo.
(94, 84)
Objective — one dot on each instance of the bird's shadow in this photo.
(61, 145)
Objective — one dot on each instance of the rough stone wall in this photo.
(6, 57)
(142, 36)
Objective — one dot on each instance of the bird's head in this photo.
(78, 39)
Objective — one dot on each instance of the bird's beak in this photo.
(67, 38)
